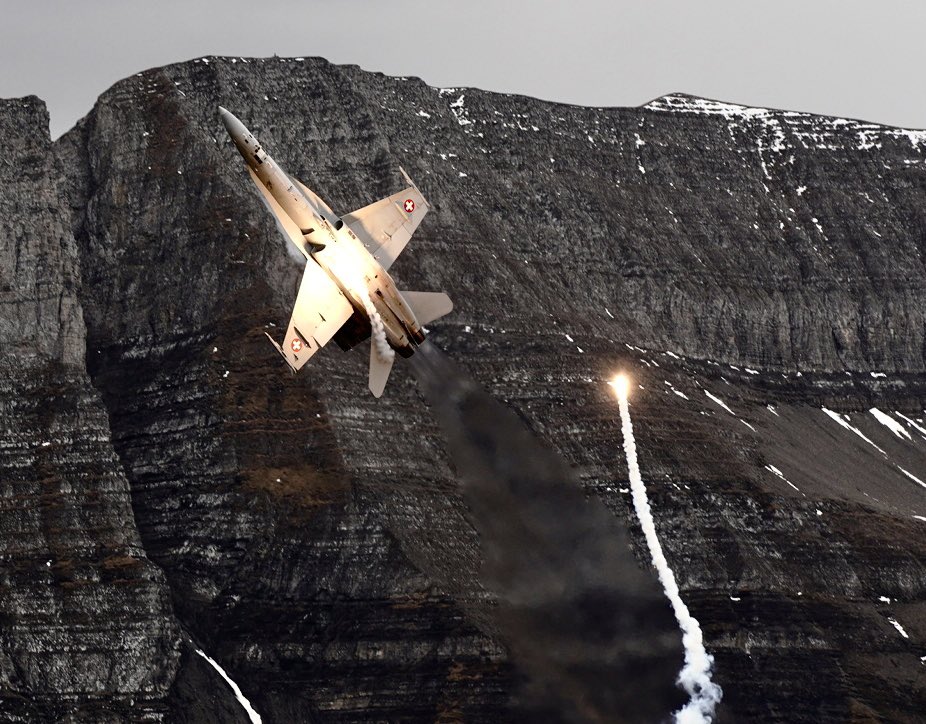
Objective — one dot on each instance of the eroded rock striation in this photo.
(87, 620)
(312, 539)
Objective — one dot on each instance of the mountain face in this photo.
(169, 486)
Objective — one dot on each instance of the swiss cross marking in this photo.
(409, 205)
(296, 344)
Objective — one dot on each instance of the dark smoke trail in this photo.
(588, 627)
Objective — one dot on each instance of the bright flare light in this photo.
(621, 385)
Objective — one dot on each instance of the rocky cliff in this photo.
(87, 621)
(749, 267)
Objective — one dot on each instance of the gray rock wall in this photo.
(87, 625)
(313, 539)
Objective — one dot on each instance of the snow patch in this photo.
(775, 471)
(900, 629)
(890, 423)
(912, 477)
(459, 111)
(252, 715)
(838, 418)
(720, 402)
(912, 423)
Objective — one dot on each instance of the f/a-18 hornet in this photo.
(346, 292)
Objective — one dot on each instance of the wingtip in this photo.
(276, 346)
(279, 349)
(408, 180)
(407, 177)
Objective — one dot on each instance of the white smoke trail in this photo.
(695, 676)
(380, 342)
(356, 283)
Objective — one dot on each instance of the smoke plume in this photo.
(378, 331)
(695, 676)
(587, 627)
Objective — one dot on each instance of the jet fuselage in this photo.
(332, 245)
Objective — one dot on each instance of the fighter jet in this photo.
(346, 292)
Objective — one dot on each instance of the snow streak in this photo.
(695, 676)
(242, 699)
(912, 477)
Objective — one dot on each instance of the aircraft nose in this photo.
(234, 127)
(227, 118)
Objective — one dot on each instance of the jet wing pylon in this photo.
(321, 310)
(386, 226)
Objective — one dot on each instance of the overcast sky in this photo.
(846, 58)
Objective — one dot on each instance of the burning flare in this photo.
(621, 385)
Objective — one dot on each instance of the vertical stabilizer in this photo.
(379, 371)
(428, 306)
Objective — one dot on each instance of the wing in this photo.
(321, 310)
(385, 226)
(284, 222)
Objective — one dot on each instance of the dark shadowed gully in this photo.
(168, 485)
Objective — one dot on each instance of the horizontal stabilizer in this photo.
(428, 306)
(380, 367)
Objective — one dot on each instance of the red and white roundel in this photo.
(409, 205)
(296, 344)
